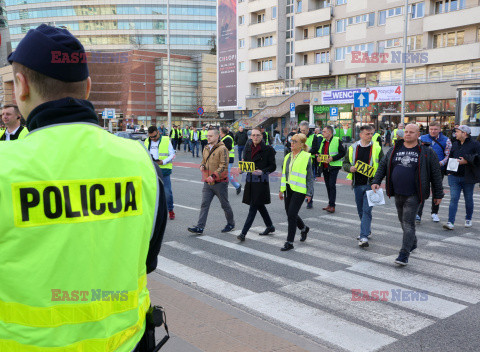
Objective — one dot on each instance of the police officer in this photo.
(162, 152)
(84, 213)
(11, 117)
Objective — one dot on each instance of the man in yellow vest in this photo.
(368, 154)
(313, 143)
(333, 147)
(11, 117)
(230, 145)
(162, 152)
(194, 140)
(401, 126)
(80, 207)
(203, 137)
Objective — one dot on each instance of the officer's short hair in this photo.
(224, 130)
(328, 127)
(152, 129)
(304, 123)
(366, 128)
(49, 88)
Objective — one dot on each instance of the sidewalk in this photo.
(197, 326)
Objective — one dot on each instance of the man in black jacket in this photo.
(240, 140)
(467, 151)
(409, 168)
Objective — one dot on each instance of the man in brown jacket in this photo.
(214, 169)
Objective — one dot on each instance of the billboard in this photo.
(468, 108)
(227, 53)
(377, 95)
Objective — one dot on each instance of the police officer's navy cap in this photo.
(54, 52)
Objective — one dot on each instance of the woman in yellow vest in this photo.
(296, 185)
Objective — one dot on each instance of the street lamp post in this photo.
(404, 58)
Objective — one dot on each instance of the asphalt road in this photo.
(430, 305)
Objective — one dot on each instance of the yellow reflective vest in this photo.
(231, 152)
(74, 237)
(22, 134)
(297, 178)
(332, 150)
(374, 161)
(162, 150)
(203, 135)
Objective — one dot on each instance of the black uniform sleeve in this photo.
(435, 174)
(341, 152)
(228, 143)
(272, 166)
(315, 145)
(160, 224)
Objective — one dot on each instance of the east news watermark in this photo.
(91, 57)
(59, 295)
(393, 295)
(392, 57)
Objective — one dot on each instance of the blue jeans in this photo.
(240, 152)
(363, 209)
(457, 184)
(230, 177)
(194, 145)
(167, 184)
(185, 145)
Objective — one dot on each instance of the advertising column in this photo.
(468, 108)
(227, 53)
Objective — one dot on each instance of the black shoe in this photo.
(267, 231)
(304, 233)
(239, 189)
(196, 230)
(310, 205)
(402, 259)
(286, 247)
(228, 228)
(241, 237)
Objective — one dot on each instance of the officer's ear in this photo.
(22, 88)
(89, 87)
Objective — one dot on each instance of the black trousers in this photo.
(435, 208)
(330, 176)
(252, 212)
(293, 203)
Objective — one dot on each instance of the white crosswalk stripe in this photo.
(302, 294)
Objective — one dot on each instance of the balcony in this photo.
(262, 52)
(314, 70)
(452, 19)
(262, 76)
(262, 28)
(454, 53)
(312, 44)
(311, 17)
(258, 5)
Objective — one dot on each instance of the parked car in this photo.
(134, 136)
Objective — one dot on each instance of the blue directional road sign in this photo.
(334, 111)
(361, 100)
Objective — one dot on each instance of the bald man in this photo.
(409, 168)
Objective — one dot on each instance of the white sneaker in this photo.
(468, 223)
(448, 226)
(435, 218)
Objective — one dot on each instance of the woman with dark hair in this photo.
(257, 186)
(296, 185)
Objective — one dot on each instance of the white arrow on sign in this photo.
(361, 98)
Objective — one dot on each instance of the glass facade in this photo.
(104, 17)
(184, 76)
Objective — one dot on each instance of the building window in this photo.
(274, 12)
(341, 2)
(241, 65)
(417, 10)
(341, 26)
(305, 33)
(305, 59)
(321, 31)
(261, 18)
(445, 6)
(241, 19)
(264, 41)
(393, 43)
(415, 42)
(340, 53)
(323, 4)
(382, 18)
(241, 43)
(322, 57)
(299, 6)
(265, 65)
(442, 40)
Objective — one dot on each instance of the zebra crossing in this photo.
(310, 290)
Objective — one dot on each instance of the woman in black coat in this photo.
(257, 187)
